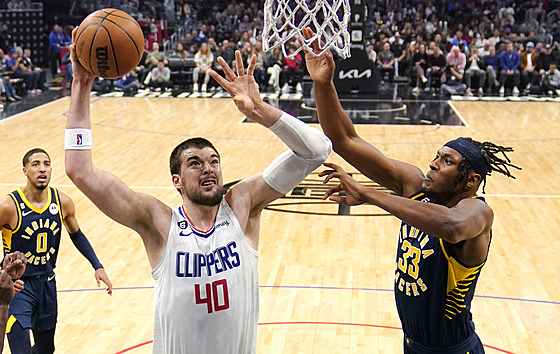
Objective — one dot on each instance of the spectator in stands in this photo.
(291, 71)
(179, 51)
(545, 59)
(528, 64)
(245, 25)
(56, 41)
(260, 71)
(457, 59)
(509, 68)
(386, 62)
(420, 60)
(372, 55)
(6, 81)
(475, 68)
(436, 66)
(440, 44)
(161, 76)
(485, 49)
(30, 77)
(28, 62)
(538, 48)
(155, 56)
(495, 39)
(152, 58)
(203, 60)
(128, 83)
(227, 52)
(398, 47)
(551, 80)
(274, 61)
(102, 86)
(69, 73)
(556, 51)
(6, 38)
(492, 64)
(452, 81)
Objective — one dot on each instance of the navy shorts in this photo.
(471, 345)
(35, 306)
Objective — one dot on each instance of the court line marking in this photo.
(450, 103)
(31, 110)
(317, 323)
(547, 302)
(552, 196)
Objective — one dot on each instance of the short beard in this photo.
(206, 200)
(41, 186)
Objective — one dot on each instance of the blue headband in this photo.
(472, 154)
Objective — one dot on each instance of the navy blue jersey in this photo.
(433, 291)
(37, 234)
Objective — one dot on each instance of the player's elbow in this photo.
(76, 171)
(325, 149)
(322, 148)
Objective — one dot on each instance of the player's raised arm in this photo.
(309, 148)
(143, 213)
(398, 176)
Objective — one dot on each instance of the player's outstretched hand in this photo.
(14, 264)
(101, 276)
(320, 68)
(79, 73)
(352, 189)
(6, 288)
(242, 87)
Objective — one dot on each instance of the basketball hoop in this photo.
(284, 20)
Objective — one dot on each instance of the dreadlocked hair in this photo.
(491, 154)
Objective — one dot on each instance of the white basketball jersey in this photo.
(206, 295)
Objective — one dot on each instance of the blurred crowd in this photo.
(469, 47)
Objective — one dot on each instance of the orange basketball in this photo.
(109, 43)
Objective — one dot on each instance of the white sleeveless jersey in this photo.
(206, 296)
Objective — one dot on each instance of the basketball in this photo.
(109, 43)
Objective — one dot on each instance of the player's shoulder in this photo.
(6, 203)
(64, 198)
(478, 205)
(8, 210)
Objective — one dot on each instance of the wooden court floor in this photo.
(326, 281)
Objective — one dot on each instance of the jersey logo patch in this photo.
(27, 213)
(183, 234)
(182, 224)
(22, 206)
(53, 208)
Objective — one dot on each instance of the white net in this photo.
(284, 20)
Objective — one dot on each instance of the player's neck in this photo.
(37, 197)
(202, 217)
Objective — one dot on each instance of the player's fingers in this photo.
(332, 191)
(230, 75)
(329, 177)
(18, 286)
(338, 199)
(252, 64)
(239, 63)
(74, 34)
(109, 287)
(325, 173)
(219, 79)
(331, 165)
